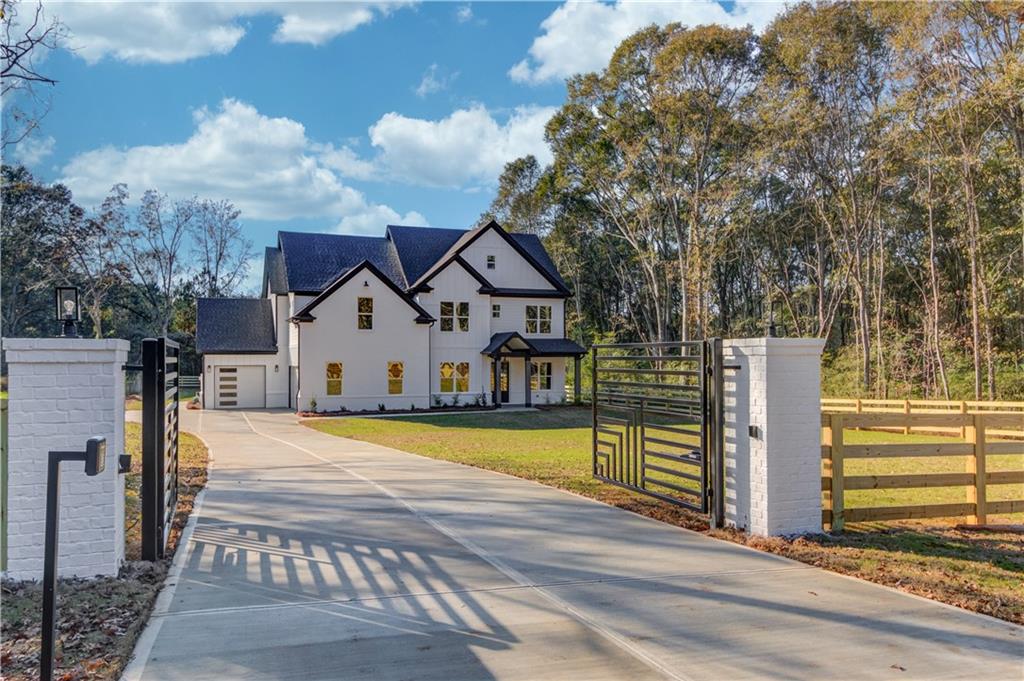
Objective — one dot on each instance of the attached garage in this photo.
(240, 387)
(237, 340)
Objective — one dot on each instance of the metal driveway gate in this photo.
(657, 421)
(159, 495)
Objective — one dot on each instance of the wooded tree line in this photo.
(854, 173)
(138, 268)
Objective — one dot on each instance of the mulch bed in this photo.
(397, 412)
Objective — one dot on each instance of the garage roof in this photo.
(234, 326)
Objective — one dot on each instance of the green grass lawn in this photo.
(982, 571)
(134, 402)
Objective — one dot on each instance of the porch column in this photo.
(496, 373)
(526, 373)
(576, 380)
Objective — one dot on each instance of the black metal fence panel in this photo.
(657, 421)
(160, 402)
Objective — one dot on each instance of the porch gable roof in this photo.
(510, 342)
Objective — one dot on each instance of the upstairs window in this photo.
(490, 262)
(540, 375)
(334, 375)
(365, 314)
(496, 311)
(455, 377)
(538, 319)
(454, 316)
(396, 378)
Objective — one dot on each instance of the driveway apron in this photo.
(316, 557)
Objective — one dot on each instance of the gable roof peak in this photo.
(305, 314)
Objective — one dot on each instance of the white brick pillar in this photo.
(62, 391)
(773, 435)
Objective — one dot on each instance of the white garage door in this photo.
(241, 387)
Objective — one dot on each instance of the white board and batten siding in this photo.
(454, 284)
(364, 354)
(511, 270)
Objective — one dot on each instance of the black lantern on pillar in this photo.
(67, 310)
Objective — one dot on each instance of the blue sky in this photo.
(323, 116)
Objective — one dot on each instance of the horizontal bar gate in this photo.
(657, 421)
(159, 494)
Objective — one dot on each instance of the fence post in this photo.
(593, 409)
(977, 494)
(963, 410)
(152, 411)
(906, 412)
(834, 469)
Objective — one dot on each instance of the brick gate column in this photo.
(773, 435)
(61, 391)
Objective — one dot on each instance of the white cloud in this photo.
(463, 14)
(469, 147)
(31, 150)
(347, 162)
(315, 23)
(373, 221)
(266, 166)
(581, 36)
(434, 80)
(169, 32)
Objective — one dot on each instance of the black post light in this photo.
(68, 312)
(95, 458)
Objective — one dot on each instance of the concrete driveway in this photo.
(315, 557)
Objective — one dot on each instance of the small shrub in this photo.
(412, 407)
(455, 399)
(312, 404)
(381, 407)
(437, 401)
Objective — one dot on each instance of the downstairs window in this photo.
(334, 375)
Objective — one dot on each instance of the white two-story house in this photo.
(420, 317)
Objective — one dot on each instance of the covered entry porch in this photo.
(521, 368)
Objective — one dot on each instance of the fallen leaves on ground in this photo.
(100, 619)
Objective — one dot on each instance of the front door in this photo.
(504, 382)
(503, 378)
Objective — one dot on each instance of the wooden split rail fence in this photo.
(975, 449)
(1013, 428)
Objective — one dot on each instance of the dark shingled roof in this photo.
(309, 262)
(313, 261)
(500, 339)
(532, 244)
(538, 347)
(422, 248)
(556, 347)
(234, 325)
(273, 272)
(418, 248)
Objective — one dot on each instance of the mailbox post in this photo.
(95, 458)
